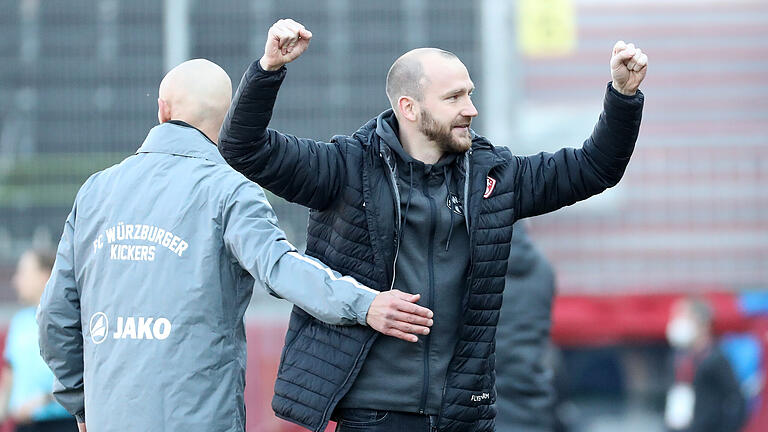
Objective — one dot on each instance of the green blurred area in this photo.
(46, 180)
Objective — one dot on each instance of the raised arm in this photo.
(548, 181)
(300, 170)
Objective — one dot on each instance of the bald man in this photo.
(142, 319)
(418, 202)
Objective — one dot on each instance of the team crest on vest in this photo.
(490, 184)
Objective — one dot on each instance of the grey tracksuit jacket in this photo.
(142, 319)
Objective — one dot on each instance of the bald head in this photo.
(197, 92)
(409, 74)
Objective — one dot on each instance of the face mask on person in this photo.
(681, 332)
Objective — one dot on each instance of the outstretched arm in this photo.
(548, 181)
(299, 170)
(252, 236)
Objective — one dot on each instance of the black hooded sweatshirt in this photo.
(432, 260)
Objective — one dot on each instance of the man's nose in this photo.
(469, 110)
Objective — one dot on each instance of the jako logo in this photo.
(99, 326)
(129, 328)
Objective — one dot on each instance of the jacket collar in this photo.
(180, 139)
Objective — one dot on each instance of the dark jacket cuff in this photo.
(259, 86)
(80, 417)
(257, 69)
(622, 102)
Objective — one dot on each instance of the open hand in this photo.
(395, 313)
(628, 66)
(286, 41)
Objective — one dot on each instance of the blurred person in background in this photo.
(705, 396)
(415, 201)
(26, 392)
(524, 378)
(142, 319)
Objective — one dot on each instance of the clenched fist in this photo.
(286, 41)
(628, 66)
(396, 313)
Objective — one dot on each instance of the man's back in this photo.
(162, 299)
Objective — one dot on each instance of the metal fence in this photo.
(78, 83)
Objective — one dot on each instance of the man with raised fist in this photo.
(414, 201)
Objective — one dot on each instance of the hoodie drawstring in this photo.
(408, 205)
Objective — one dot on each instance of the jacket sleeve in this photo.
(299, 170)
(548, 181)
(59, 326)
(252, 236)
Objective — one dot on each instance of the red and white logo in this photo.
(490, 183)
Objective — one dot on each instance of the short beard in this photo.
(442, 136)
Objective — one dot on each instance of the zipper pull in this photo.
(432, 424)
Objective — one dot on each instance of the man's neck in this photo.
(212, 136)
(419, 147)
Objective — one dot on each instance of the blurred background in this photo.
(78, 89)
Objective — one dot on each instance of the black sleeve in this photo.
(299, 170)
(548, 181)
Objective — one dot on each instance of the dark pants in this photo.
(61, 425)
(357, 420)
